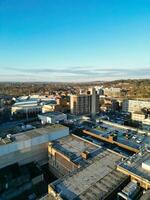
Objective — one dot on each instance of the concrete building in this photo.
(29, 146)
(115, 136)
(63, 104)
(70, 153)
(138, 168)
(80, 104)
(52, 117)
(91, 171)
(94, 101)
(134, 105)
(49, 106)
(96, 180)
(85, 103)
(32, 105)
(138, 116)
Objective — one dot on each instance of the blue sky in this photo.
(74, 40)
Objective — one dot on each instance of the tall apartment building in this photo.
(85, 103)
(134, 105)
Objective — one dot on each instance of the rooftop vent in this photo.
(85, 155)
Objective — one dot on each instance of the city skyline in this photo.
(74, 40)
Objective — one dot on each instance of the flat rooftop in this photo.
(105, 130)
(95, 181)
(51, 114)
(73, 146)
(23, 136)
(38, 132)
(133, 165)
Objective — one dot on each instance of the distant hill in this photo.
(132, 88)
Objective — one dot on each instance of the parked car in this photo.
(134, 137)
(139, 140)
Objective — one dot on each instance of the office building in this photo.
(1, 102)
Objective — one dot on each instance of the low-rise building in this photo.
(52, 117)
(97, 179)
(49, 106)
(70, 153)
(26, 108)
(137, 167)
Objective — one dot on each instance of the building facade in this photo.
(52, 117)
(30, 146)
(26, 109)
(85, 103)
(138, 116)
(134, 105)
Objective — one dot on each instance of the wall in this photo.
(59, 164)
(34, 149)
